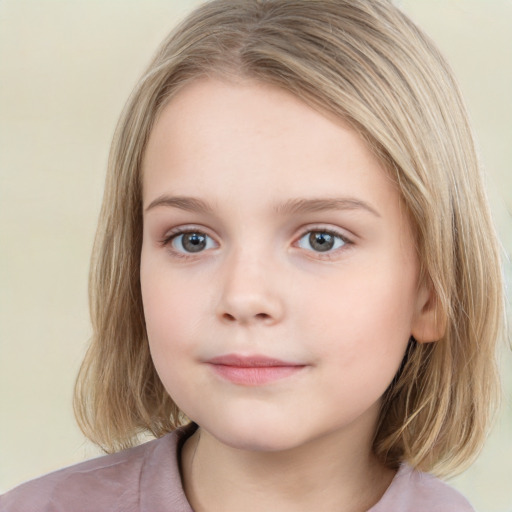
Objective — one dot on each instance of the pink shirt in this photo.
(147, 479)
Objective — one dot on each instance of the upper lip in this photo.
(256, 361)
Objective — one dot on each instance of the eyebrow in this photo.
(292, 206)
(323, 204)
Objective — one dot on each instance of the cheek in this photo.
(171, 303)
(171, 323)
(177, 311)
(365, 319)
(168, 315)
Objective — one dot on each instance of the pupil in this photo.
(321, 241)
(194, 242)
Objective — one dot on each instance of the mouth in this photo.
(253, 370)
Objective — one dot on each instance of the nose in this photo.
(250, 293)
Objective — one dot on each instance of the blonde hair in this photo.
(366, 62)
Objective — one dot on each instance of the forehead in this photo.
(249, 132)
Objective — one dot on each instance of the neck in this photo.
(332, 472)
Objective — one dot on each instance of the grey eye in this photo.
(321, 241)
(192, 242)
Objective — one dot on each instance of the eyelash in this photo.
(330, 254)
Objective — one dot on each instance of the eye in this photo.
(191, 242)
(321, 241)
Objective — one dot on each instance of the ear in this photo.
(429, 323)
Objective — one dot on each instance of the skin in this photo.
(260, 287)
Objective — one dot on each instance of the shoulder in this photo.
(108, 478)
(121, 481)
(414, 491)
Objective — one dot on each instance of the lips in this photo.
(253, 370)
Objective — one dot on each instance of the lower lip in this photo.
(254, 375)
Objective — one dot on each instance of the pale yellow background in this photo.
(66, 69)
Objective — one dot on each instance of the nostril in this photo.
(229, 317)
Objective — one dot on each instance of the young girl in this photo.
(295, 285)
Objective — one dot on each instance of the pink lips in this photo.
(252, 370)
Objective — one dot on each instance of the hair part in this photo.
(365, 62)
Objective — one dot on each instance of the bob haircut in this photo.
(365, 62)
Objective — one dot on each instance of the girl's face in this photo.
(279, 276)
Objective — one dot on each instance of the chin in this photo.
(258, 441)
(256, 436)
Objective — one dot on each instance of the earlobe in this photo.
(429, 324)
